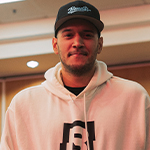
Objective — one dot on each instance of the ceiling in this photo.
(121, 47)
(35, 9)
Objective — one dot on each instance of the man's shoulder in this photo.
(127, 84)
(31, 89)
(29, 93)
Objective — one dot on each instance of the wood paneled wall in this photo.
(0, 105)
(13, 87)
(138, 74)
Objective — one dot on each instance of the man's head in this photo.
(80, 10)
(76, 38)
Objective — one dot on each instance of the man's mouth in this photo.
(84, 53)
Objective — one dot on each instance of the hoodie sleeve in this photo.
(8, 139)
(148, 128)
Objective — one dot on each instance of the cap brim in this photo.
(98, 24)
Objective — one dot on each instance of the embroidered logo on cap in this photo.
(74, 9)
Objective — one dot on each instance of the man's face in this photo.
(77, 44)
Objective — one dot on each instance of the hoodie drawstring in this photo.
(86, 128)
(85, 120)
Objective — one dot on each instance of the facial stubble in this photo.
(79, 70)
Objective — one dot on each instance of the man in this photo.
(80, 105)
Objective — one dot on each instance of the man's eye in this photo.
(88, 35)
(68, 35)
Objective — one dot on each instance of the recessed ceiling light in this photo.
(9, 1)
(32, 64)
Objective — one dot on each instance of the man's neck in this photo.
(76, 81)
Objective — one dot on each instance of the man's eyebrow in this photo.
(66, 30)
(86, 30)
(89, 31)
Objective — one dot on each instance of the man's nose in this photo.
(78, 42)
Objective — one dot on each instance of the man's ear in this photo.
(54, 43)
(100, 43)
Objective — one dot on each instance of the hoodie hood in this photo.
(55, 85)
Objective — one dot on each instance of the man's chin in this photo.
(77, 66)
(78, 70)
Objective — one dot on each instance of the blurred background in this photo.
(27, 28)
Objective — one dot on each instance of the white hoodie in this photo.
(109, 114)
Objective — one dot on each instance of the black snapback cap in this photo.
(78, 9)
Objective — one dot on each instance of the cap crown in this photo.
(78, 9)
